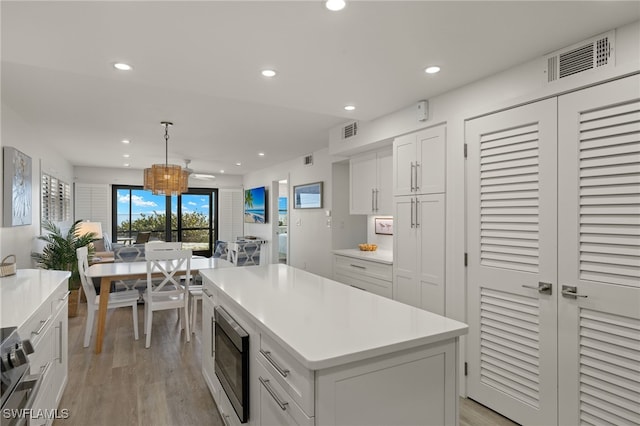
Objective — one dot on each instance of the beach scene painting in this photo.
(255, 208)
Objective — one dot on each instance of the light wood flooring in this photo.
(129, 385)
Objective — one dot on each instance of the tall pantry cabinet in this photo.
(419, 213)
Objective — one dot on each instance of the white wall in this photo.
(20, 240)
(348, 230)
(310, 233)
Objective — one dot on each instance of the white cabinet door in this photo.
(405, 258)
(61, 350)
(431, 243)
(431, 159)
(419, 162)
(384, 186)
(363, 170)
(512, 247)
(599, 254)
(208, 340)
(404, 158)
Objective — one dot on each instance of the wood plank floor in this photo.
(129, 385)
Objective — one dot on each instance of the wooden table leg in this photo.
(105, 289)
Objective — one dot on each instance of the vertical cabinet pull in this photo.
(373, 194)
(411, 177)
(417, 214)
(416, 186)
(377, 208)
(412, 224)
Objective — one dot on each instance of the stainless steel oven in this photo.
(232, 361)
(18, 389)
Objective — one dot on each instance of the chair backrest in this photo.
(221, 250)
(168, 263)
(83, 264)
(163, 246)
(232, 252)
(134, 253)
(142, 237)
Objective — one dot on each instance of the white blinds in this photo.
(56, 199)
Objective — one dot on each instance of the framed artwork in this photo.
(308, 196)
(17, 209)
(384, 225)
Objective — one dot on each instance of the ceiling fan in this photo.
(194, 174)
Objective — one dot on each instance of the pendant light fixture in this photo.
(166, 179)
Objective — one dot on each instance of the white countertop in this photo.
(23, 293)
(324, 323)
(381, 256)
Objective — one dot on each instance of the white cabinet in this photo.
(47, 328)
(419, 252)
(370, 183)
(419, 162)
(366, 275)
(419, 219)
(208, 340)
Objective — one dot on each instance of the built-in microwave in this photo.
(232, 361)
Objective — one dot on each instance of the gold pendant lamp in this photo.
(166, 179)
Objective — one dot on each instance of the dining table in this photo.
(108, 272)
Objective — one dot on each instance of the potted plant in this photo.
(60, 254)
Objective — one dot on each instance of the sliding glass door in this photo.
(192, 217)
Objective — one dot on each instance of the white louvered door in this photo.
(512, 228)
(599, 244)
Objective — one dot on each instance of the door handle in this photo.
(571, 292)
(411, 177)
(412, 224)
(377, 200)
(373, 193)
(543, 288)
(416, 172)
(417, 211)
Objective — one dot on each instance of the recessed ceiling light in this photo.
(126, 155)
(126, 141)
(122, 66)
(221, 171)
(238, 164)
(335, 5)
(268, 73)
(349, 107)
(432, 70)
(126, 164)
(261, 154)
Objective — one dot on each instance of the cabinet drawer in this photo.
(350, 266)
(37, 325)
(276, 406)
(294, 378)
(373, 285)
(59, 298)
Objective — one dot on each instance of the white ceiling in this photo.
(198, 64)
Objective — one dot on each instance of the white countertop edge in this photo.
(325, 363)
(380, 256)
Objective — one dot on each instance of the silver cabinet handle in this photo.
(267, 386)
(358, 266)
(377, 200)
(571, 292)
(543, 288)
(416, 172)
(417, 212)
(373, 193)
(207, 292)
(412, 224)
(65, 296)
(413, 188)
(59, 326)
(267, 354)
(43, 324)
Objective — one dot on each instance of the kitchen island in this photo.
(328, 354)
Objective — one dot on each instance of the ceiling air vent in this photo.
(350, 130)
(596, 52)
(307, 160)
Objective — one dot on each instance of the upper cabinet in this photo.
(419, 162)
(370, 180)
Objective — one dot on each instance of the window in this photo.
(56, 199)
(192, 217)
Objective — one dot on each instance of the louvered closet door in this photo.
(512, 226)
(599, 244)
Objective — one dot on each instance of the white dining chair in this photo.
(118, 299)
(168, 292)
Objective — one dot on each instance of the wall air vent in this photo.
(350, 130)
(307, 160)
(596, 52)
